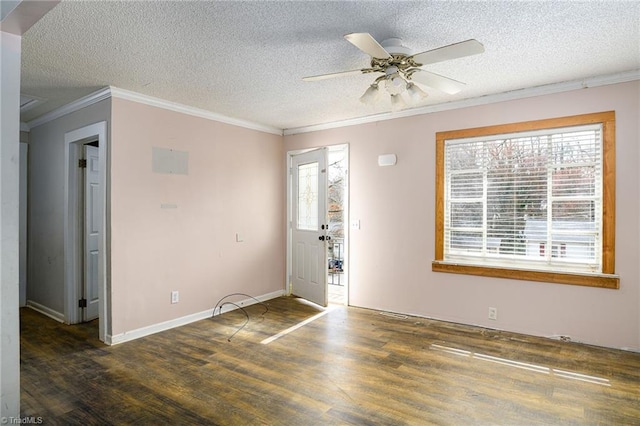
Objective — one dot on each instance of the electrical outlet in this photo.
(493, 313)
(175, 297)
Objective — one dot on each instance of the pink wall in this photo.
(234, 185)
(392, 252)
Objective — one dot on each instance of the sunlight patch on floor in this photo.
(524, 366)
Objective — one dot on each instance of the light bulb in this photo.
(395, 84)
(397, 81)
(393, 81)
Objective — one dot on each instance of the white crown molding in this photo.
(156, 328)
(76, 105)
(115, 92)
(482, 100)
(197, 112)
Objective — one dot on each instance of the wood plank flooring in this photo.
(349, 367)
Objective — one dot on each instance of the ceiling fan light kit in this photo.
(370, 95)
(401, 70)
(397, 102)
(416, 93)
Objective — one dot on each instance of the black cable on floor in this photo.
(246, 321)
(237, 294)
(219, 306)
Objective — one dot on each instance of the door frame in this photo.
(73, 220)
(289, 252)
(22, 225)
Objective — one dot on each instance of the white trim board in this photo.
(167, 325)
(76, 105)
(196, 112)
(481, 100)
(58, 316)
(114, 92)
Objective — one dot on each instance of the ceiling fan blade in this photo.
(332, 75)
(444, 84)
(452, 51)
(368, 44)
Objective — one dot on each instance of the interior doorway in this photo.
(317, 243)
(85, 242)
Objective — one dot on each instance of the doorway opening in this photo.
(337, 174)
(85, 240)
(317, 243)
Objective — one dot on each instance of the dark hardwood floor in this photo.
(351, 366)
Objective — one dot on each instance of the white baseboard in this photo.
(46, 311)
(167, 325)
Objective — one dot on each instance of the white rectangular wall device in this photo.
(387, 160)
(170, 161)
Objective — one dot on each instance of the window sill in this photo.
(589, 280)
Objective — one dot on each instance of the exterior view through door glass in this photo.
(337, 193)
(309, 226)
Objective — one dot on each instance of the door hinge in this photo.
(82, 163)
(82, 303)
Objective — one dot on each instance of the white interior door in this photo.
(309, 226)
(92, 221)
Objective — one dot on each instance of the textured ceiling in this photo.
(246, 60)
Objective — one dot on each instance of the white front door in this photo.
(92, 221)
(309, 226)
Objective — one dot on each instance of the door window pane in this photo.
(308, 197)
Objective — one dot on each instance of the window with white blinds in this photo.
(531, 199)
(509, 197)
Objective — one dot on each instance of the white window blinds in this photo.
(528, 199)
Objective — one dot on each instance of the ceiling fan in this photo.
(401, 70)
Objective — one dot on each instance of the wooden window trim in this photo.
(607, 279)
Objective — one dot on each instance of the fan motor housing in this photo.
(394, 47)
(400, 57)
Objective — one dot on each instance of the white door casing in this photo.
(73, 212)
(309, 226)
(92, 221)
(24, 149)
